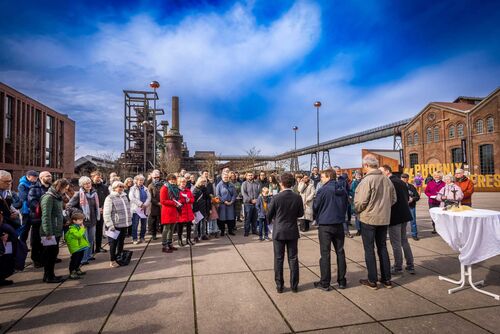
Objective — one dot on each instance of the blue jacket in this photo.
(329, 206)
(23, 189)
(34, 196)
(261, 213)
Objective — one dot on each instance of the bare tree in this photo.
(168, 166)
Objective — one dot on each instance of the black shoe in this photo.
(55, 279)
(37, 265)
(295, 290)
(416, 238)
(342, 285)
(92, 259)
(245, 235)
(433, 232)
(58, 260)
(5, 282)
(318, 285)
(279, 289)
(221, 234)
(369, 284)
(204, 237)
(102, 250)
(358, 233)
(387, 284)
(231, 233)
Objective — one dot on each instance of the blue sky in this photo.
(247, 71)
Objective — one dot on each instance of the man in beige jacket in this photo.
(373, 200)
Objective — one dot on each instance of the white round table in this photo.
(475, 234)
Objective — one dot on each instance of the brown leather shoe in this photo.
(369, 284)
(166, 249)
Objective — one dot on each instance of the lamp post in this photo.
(317, 104)
(154, 85)
(295, 129)
(144, 125)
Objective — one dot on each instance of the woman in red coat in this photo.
(186, 216)
(170, 210)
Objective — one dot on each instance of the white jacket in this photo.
(135, 199)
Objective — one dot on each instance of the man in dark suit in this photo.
(284, 210)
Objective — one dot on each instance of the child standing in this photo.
(262, 206)
(213, 229)
(77, 244)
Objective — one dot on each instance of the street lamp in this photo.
(317, 104)
(295, 129)
(154, 85)
(144, 125)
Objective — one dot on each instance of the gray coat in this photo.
(250, 191)
(226, 192)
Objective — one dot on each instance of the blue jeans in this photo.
(90, 235)
(413, 222)
(135, 225)
(357, 223)
(250, 218)
(263, 230)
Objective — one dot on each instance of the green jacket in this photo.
(52, 217)
(75, 238)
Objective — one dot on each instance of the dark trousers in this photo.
(293, 262)
(49, 257)
(349, 213)
(25, 228)
(76, 259)
(36, 243)
(116, 245)
(153, 225)
(263, 229)
(376, 235)
(222, 225)
(432, 205)
(98, 235)
(304, 225)
(180, 228)
(328, 235)
(250, 219)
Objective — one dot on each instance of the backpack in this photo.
(124, 258)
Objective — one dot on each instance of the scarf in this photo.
(84, 203)
(173, 191)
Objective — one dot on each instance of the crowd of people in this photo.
(194, 207)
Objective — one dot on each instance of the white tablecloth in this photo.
(475, 234)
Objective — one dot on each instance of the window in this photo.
(456, 154)
(436, 134)
(409, 140)
(9, 115)
(413, 159)
(38, 135)
(415, 138)
(49, 140)
(460, 130)
(429, 135)
(451, 132)
(486, 159)
(479, 126)
(490, 124)
(61, 144)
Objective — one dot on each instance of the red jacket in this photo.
(467, 188)
(169, 212)
(187, 199)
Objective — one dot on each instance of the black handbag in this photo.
(124, 258)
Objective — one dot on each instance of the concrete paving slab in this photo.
(156, 264)
(446, 323)
(14, 305)
(307, 309)
(217, 259)
(160, 306)
(259, 256)
(74, 310)
(373, 328)
(484, 317)
(398, 302)
(235, 303)
(435, 244)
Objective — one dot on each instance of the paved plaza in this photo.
(226, 285)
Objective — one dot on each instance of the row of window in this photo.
(486, 159)
(432, 134)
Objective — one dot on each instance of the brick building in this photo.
(33, 136)
(464, 132)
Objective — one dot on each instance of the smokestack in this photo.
(175, 113)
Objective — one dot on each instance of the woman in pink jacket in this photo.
(432, 190)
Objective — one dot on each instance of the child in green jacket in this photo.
(77, 244)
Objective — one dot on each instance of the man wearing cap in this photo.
(466, 185)
(25, 184)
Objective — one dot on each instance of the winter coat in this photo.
(135, 199)
(467, 187)
(186, 198)
(307, 192)
(169, 212)
(413, 193)
(75, 238)
(116, 210)
(250, 191)
(451, 191)
(226, 192)
(74, 205)
(102, 192)
(352, 191)
(316, 179)
(23, 190)
(154, 190)
(34, 195)
(274, 189)
(432, 189)
(261, 210)
(329, 205)
(52, 214)
(400, 211)
(374, 198)
(200, 201)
